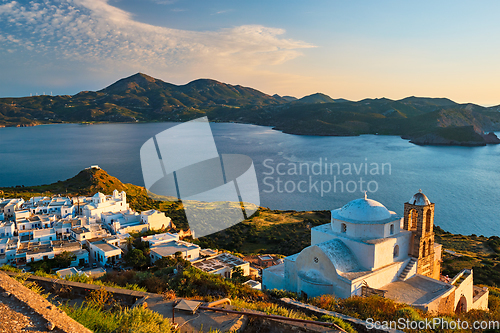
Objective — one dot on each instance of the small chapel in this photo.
(367, 249)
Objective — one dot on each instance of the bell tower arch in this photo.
(419, 219)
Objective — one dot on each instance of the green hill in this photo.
(143, 98)
(315, 98)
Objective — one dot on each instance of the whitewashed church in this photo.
(367, 249)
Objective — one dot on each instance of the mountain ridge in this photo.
(141, 97)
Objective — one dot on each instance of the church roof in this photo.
(419, 199)
(99, 195)
(363, 210)
(340, 255)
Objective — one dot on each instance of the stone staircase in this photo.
(404, 274)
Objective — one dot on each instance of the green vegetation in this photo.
(101, 315)
(136, 258)
(383, 309)
(188, 282)
(268, 308)
(268, 231)
(82, 278)
(33, 286)
(480, 253)
(462, 133)
(61, 260)
(121, 320)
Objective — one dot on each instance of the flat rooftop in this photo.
(66, 244)
(80, 230)
(105, 246)
(168, 249)
(34, 248)
(218, 262)
(416, 290)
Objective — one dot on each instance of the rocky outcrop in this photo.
(433, 139)
(491, 138)
(455, 136)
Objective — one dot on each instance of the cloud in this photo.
(223, 11)
(97, 33)
(164, 2)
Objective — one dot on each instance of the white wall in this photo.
(272, 277)
(156, 220)
(384, 251)
(44, 235)
(80, 255)
(370, 255)
(290, 273)
(465, 289)
(39, 256)
(104, 256)
(379, 278)
(7, 230)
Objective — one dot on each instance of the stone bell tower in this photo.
(419, 219)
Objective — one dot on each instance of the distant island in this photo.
(142, 98)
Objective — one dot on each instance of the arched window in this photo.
(428, 221)
(343, 228)
(423, 250)
(412, 223)
(391, 229)
(395, 254)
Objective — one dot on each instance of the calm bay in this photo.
(293, 171)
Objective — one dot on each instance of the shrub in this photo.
(98, 298)
(408, 313)
(279, 293)
(327, 302)
(342, 324)
(9, 268)
(269, 308)
(168, 295)
(138, 320)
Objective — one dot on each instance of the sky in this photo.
(345, 49)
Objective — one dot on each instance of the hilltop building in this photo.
(367, 249)
(101, 203)
(127, 221)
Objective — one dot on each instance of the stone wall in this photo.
(36, 307)
(77, 289)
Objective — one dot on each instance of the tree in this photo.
(136, 258)
(238, 274)
(165, 262)
(64, 259)
(129, 243)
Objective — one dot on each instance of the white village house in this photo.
(222, 264)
